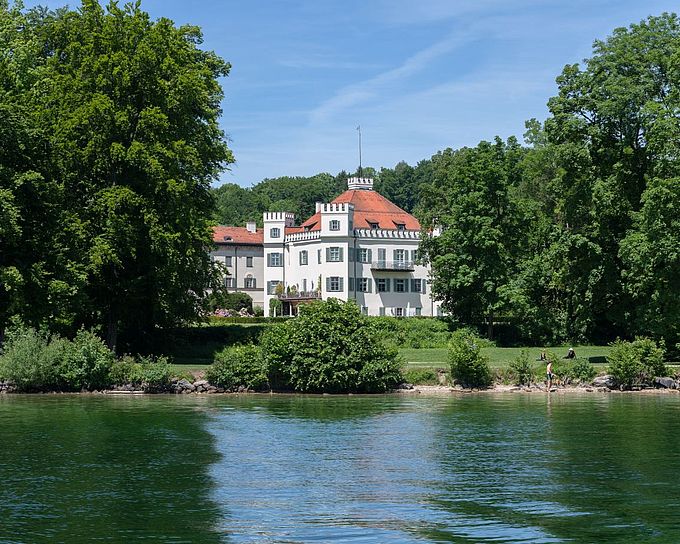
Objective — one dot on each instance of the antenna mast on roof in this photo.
(359, 130)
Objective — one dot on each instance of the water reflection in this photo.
(324, 469)
(539, 469)
(84, 469)
(471, 468)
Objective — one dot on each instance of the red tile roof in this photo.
(370, 207)
(237, 235)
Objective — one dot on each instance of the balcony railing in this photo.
(392, 265)
(301, 295)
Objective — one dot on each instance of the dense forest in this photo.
(236, 204)
(573, 234)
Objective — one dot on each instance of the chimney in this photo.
(251, 226)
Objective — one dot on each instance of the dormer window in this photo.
(334, 225)
(372, 225)
(401, 226)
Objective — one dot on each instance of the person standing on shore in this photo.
(549, 375)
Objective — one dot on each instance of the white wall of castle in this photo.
(332, 265)
(245, 265)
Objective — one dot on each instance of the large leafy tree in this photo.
(618, 114)
(39, 274)
(472, 202)
(651, 257)
(126, 110)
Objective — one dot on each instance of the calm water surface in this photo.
(473, 468)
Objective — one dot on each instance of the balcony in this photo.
(302, 295)
(397, 266)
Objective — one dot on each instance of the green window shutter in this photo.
(328, 254)
(369, 285)
(341, 255)
(370, 258)
(351, 284)
(341, 284)
(406, 286)
(328, 284)
(350, 254)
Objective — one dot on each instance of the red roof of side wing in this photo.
(237, 235)
(370, 207)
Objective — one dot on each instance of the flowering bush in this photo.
(222, 312)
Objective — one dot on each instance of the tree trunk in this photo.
(489, 327)
(2, 336)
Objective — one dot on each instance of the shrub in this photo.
(330, 348)
(522, 369)
(86, 363)
(124, 371)
(238, 366)
(30, 360)
(503, 375)
(155, 374)
(579, 370)
(421, 376)
(150, 374)
(469, 367)
(637, 362)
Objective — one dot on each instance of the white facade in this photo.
(245, 264)
(376, 267)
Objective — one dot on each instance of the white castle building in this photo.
(359, 247)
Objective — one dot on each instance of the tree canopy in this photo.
(107, 209)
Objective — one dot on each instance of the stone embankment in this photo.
(602, 384)
(179, 386)
(182, 386)
(6, 387)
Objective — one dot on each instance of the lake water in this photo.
(468, 468)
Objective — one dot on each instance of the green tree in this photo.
(131, 107)
(398, 185)
(472, 202)
(651, 258)
(41, 279)
(236, 205)
(618, 115)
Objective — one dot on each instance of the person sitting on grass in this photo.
(571, 354)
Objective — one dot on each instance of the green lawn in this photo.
(498, 357)
(433, 358)
(190, 367)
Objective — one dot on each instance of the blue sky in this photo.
(418, 75)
